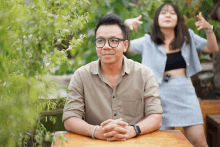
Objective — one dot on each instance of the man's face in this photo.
(108, 54)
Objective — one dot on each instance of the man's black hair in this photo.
(113, 19)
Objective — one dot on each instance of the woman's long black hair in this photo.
(181, 30)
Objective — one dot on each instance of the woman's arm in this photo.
(130, 49)
(212, 45)
(132, 23)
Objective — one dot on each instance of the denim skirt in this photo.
(179, 102)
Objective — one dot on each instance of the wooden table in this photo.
(161, 138)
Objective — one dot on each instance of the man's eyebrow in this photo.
(101, 37)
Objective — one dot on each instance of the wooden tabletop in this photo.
(160, 138)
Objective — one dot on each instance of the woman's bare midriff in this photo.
(176, 72)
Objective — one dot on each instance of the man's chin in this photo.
(108, 61)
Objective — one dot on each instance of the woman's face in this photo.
(167, 17)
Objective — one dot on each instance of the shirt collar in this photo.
(125, 68)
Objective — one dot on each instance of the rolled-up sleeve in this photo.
(74, 106)
(137, 45)
(200, 42)
(152, 97)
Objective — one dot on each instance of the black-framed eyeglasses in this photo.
(112, 42)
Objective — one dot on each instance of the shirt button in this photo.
(113, 97)
(187, 64)
(115, 114)
(184, 56)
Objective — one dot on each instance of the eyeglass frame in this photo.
(119, 39)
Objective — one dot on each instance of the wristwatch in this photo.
(137, 129)
(209, 31)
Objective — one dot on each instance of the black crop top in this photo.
(175, 61)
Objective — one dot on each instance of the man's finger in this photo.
(106, 122)
(109, 127)
(121, 123)
(119, 119)
(121, 136)
(118, 137)
(110, 134)
(120, 130)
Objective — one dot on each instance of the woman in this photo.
(170, 51)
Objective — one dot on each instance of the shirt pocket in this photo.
(132, 104)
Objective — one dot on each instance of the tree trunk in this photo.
(215, 15)
(216, 69)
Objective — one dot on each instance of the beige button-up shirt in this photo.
(91, 97)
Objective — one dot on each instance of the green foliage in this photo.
(29, 31)
(41, 136)
(85, 52)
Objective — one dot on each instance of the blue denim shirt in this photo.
(155, 58)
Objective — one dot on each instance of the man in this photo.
(114, 92)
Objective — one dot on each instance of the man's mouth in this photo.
(107, 54)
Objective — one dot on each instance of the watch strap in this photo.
(137, 129)
(209, 31)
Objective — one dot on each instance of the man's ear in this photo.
(125, 45)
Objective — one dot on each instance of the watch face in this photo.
(137, 129)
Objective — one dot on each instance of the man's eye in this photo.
(114, 40)
(100, 41)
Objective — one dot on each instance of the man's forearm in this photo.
(151, 123)
(79, 126)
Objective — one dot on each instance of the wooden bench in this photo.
(213, 130)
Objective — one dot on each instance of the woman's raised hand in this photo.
(133, 22)
(202, 23)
